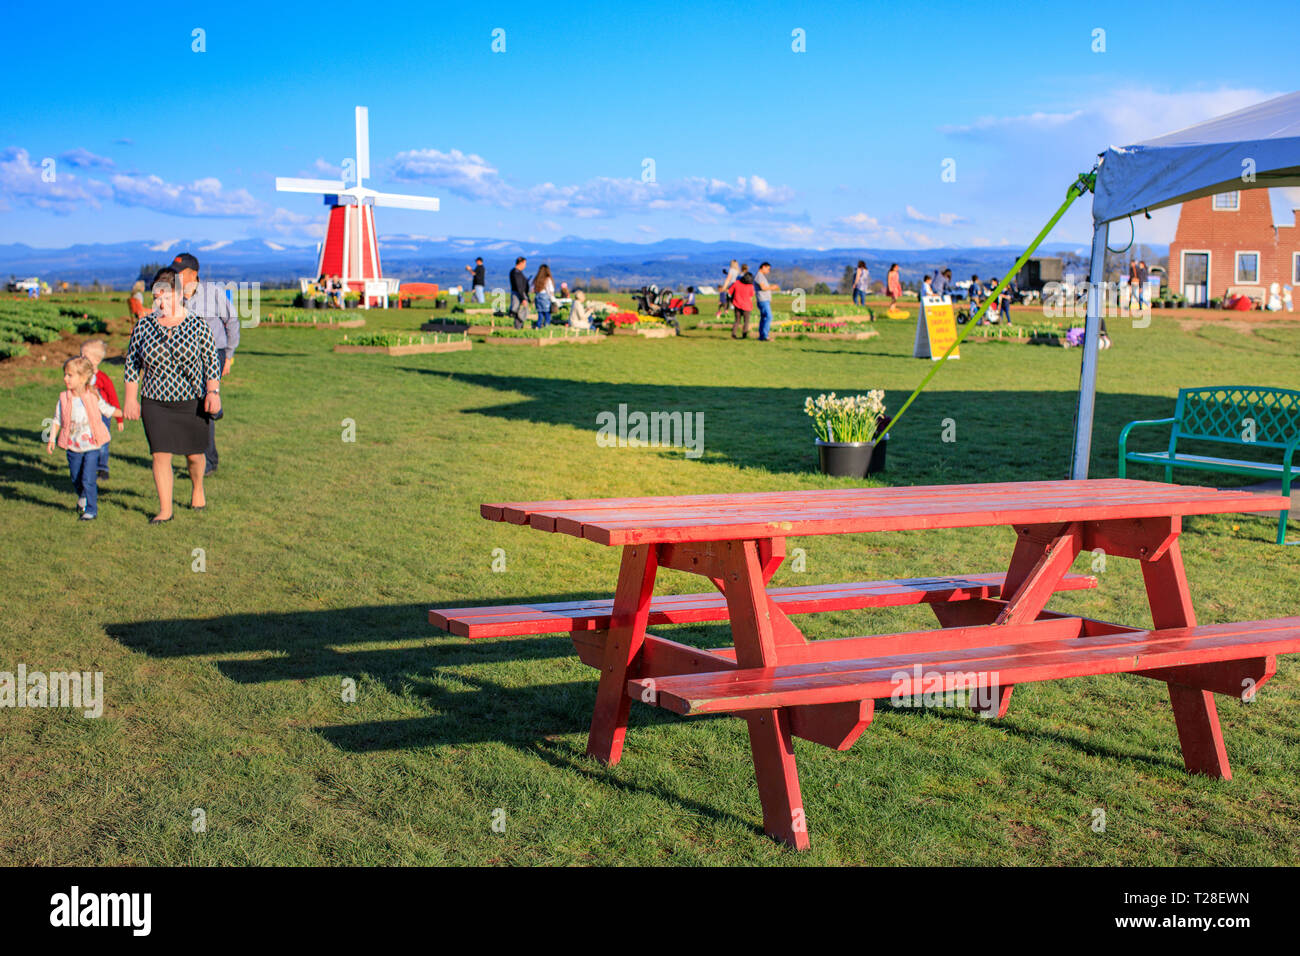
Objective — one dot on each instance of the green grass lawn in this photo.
(223, 687)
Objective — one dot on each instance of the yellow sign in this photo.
(936, 328)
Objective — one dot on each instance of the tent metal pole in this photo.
(1088, 373)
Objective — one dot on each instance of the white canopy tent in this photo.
(1253, 148)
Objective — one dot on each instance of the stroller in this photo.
(660, 305)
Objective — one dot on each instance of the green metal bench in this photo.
(1232, 415)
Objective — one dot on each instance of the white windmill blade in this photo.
(288, 184)
(406, 202)
(363, 143)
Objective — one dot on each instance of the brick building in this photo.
(1230, 241)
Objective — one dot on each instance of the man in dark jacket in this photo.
(519, 293)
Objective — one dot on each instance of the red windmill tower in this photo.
(351, 247)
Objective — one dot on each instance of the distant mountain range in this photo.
(669, 262)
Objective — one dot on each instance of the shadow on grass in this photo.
(23, 470)
(1007, 725)
(304, 645)
(468, 708)
(1001, 435)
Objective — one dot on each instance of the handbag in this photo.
(203, 412)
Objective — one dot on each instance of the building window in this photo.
(1295, 267)
(1247, 268)
(1227, 201)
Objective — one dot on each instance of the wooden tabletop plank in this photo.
(519, 512)
(920, 504)
(668, 531)
(768, 514)
(915, 500)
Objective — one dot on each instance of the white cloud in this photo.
(993, 124)
(704, 199)
(293, 225)
(203, 197)
(859, 220)
(943, 219)
(25, 182)
(465, 174)
(84, 159)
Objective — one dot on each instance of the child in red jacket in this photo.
(94, 352)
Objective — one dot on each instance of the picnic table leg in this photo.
(769, 730)
(1195, 714)
(1042, 556)
(636, 582)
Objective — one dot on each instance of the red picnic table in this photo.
(994, 629)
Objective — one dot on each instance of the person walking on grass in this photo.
(519, 293)
(742, 301)
(861, 283)
(724, 298)
(941, 282)
(543, 293)
(210, 303)
(893, 287)
(764, 300)
(173, 385)
(80, 428)
(479, 280)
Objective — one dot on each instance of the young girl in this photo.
(543, 292)
(79, 427)
(894, 287)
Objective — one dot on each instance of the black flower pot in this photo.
(309, 303)
(845, 459)
(882, 447)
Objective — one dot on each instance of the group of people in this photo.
(333, 288)
(175, 360)
(1137, 283)
(540, 293)
(862, 284)
(742, 291)
(999, 309)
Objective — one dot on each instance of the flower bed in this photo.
(390, 343)
(1038, 333)
(820, 329)
(646, 326)
(448, 325)
(540, 337)
(309, 319)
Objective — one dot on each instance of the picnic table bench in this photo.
(994, 633)
(1244, 416)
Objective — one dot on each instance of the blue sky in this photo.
(841, 145)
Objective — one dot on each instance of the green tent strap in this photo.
(1084, 184)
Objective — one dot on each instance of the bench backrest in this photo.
(1220, 414)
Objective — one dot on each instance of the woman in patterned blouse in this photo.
(173, 352)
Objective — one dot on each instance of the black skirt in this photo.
(177, 428)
